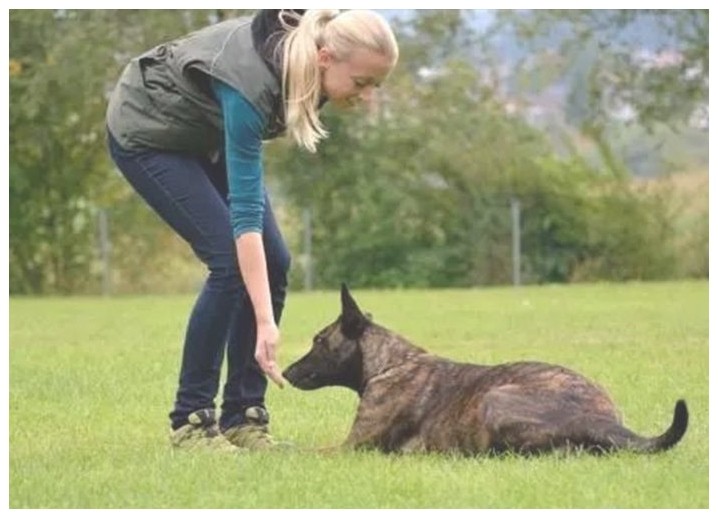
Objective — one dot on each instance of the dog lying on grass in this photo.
(412, 401)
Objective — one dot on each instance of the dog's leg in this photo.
(364, 435)
(331, 450)
(385, 427)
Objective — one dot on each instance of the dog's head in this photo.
(335, 357)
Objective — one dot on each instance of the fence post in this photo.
(105, 249)
(308, 274)
(516, 240)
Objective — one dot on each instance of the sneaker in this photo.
(201, 432)
(253, 434)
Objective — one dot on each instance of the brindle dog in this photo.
(412, 401)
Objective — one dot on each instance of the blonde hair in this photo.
(341, 33)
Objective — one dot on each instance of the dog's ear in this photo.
(353, 321)
(349, 305)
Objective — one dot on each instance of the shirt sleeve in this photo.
(243, 128)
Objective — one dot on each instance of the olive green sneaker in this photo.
(253, 434)
(201, 432)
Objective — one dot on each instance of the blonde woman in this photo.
(186, 123)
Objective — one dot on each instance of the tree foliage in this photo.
(646, 67)
(415, 194)
(63, 65)
(420, 195)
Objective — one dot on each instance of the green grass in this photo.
(92, 381)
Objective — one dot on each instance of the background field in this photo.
(92, 381)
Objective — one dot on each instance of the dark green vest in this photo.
(164, 98)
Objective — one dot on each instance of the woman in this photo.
(185, 126)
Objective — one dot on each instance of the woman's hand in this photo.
(266, 351)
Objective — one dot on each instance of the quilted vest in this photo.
(164, 98)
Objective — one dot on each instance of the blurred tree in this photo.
(63, 65)
(648, 67)
(416, 193)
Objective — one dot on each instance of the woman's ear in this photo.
(324, 57)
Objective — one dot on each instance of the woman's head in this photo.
(342, 56)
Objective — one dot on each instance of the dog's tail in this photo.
(671, 436)
(625, 439)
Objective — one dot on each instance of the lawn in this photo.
(92, 381)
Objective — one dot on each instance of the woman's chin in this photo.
(343, 104)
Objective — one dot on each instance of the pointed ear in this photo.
(353, 321)
(348, 303)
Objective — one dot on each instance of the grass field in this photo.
(92, 381)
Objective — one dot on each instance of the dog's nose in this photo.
(288, 374)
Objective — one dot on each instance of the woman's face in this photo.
(347, 82)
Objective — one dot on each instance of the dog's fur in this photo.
(412, 401)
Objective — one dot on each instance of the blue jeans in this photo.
(190, 194)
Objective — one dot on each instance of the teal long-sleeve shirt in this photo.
(243, 127)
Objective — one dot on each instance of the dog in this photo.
(412, 401)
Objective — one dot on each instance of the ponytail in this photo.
(301, 77)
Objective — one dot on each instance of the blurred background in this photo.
(507, 147)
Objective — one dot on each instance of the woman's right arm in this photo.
(243, 128)
(253, 265)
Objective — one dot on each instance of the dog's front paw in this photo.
(331, 450)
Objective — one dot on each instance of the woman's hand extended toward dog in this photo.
(266, 351)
